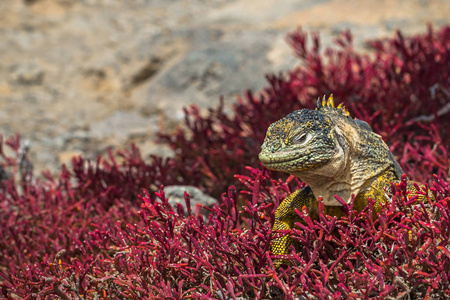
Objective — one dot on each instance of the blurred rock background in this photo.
(79, 76)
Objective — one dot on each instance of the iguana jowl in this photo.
(333, 154)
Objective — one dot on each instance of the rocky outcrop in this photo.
(77, 77)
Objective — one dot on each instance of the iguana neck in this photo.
(354, 177)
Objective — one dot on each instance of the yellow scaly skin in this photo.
(333, 154)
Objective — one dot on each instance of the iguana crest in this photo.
(329, 103)
(329, 150)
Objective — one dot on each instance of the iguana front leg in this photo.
(285, 218)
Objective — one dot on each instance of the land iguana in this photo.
(333, 154)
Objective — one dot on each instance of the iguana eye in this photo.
(302, 138)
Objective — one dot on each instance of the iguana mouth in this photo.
(268, 160)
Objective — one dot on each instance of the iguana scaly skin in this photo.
(333, 154)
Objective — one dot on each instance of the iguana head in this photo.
(300, 141)
(305, 139)
(326, 148)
